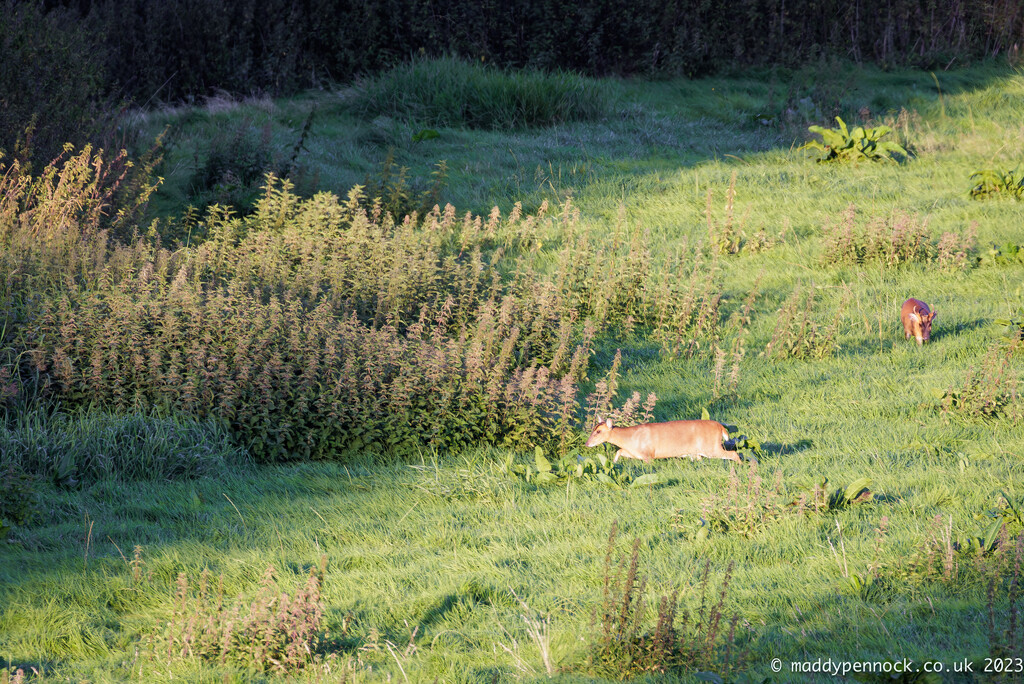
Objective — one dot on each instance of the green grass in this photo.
(423, 558)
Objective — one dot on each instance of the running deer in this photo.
(917, 320)
(693, 438)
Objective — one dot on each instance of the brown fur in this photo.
(917, 320)
(693, 438)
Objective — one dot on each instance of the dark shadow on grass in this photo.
(779, 449)
(436, 612)
(885, 498)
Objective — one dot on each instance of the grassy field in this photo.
(448, 567)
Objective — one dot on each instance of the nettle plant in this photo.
(858, 144)
(989, 392)
(799, 332)
(895, 240)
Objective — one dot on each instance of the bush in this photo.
(233, 168)
(799, 334)
(310, 326)
(318, 327)
(52, 81)
(989, 391)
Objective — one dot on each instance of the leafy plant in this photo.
(748, 448)
(824, 499)
(1007, 254)
(842, 144)
(989, 183)
(1014, 326)
(984, 543)
(575, 466)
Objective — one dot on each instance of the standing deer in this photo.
(917, 320)
(693, 438)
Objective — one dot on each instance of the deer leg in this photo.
(626, 454)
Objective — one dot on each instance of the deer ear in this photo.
(913, 316)
(931, 317)
(608, 422)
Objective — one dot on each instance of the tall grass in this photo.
(453, 93)
(96, 445)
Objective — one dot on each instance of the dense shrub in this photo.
(51, 81)
(176, 49)
(311, 327)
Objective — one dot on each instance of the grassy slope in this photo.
(437, 548)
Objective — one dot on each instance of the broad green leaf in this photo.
(647, 480)
(545, 478)
(603, 477)
(543, 464)
(704, 415)
(992, 533)
(856, 487)
(834, 140)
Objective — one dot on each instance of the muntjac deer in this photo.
(917, 320)
(693, 438)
